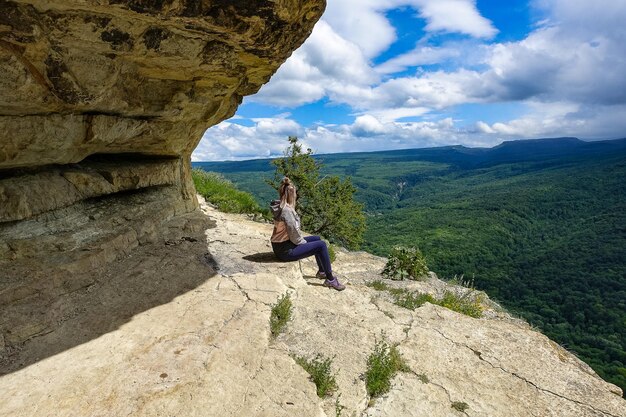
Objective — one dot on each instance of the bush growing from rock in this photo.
(280, 315)
(405, 263)
(319, 369)
(467, 303)
(382, 365)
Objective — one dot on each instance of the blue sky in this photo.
(392, 74)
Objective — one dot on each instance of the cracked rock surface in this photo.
(208, 351)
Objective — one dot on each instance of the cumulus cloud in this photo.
(460, 16)
(556, 63)
(363, 23)
(421, 55)
(231, 141)
(577, 55)
(367, 125)
(562, 119)
(324, 63)
(563, 60)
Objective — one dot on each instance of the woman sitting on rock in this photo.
(287, 240)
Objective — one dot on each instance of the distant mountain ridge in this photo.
(466, 157)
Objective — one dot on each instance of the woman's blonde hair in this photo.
(287, 193)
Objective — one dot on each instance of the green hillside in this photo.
(539, 225)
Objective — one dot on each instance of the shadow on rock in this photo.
(57, 318)
(262, 257)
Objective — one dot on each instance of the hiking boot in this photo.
(334, 283)
(320, 275)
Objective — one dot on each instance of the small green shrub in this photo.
(423, 378)
(382, 365)
(405, 263)
(319, 368)
(280, 315)
(411, 300)
(223, 194)
(467, 303)
(460, 406)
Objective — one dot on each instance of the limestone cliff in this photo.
(205, 349)
(101, 105)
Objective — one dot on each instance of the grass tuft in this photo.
(319, 369)
(382, 365)
(280, 315)
(466, 303)
(338, 406)
(378, 285)
(411, 300)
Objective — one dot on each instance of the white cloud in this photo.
(367, 125)
(578, 54)
(392, 114)
(432, 90)
(483, 127)
(460, 16)
(277, 126)
(362, 23)
(564, 60)
(563, 119)
(231, 141)
(421, 55)
(324, 63)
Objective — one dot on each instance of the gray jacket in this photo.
(286, 224)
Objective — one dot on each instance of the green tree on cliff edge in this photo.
(326, 204)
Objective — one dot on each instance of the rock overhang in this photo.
(145, 77)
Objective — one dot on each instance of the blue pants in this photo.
(314, 246)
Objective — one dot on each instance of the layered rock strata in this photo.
(208, 351)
